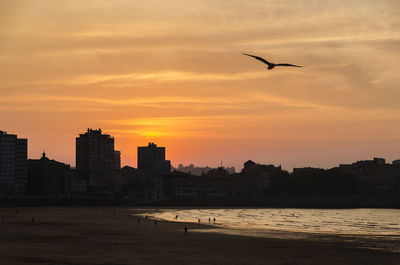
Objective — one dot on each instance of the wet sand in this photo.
(75, 236)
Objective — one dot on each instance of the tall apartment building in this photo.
(13, 164)
(117, 159)
(96, 160)
(151, 159)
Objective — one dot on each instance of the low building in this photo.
(261, 174)
(135, 184)
(375, 176)
(51, 178)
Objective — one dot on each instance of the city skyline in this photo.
(162, 155)
(175, 75)
(200, 132)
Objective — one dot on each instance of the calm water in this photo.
(338, 221)
(374, 228)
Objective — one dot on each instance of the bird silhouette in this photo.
(271, 65)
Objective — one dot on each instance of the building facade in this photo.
(49, 177)
(151, 160)
(13, 164)
(96, 161)
(117, 159)
(375, 176)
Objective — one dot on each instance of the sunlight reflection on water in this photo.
(379, 222)
(364, 228)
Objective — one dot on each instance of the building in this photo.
(96, 161)
(396, 162)
(136, 184)
(214, 186)
(261, 174)
(375, 176)
(13, 169)
(151, 160)
(49, 177)
(303, 170)
(117, 160)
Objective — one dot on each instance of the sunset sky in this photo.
(172, 72)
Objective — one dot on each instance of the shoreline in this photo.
(96, 235)
(363, 241)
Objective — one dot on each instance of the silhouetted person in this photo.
(176, 217)
(214, 220)
(198, 220)
(185, 231)
(209, 220)
(145, 217)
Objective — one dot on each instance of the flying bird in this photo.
(271, 65)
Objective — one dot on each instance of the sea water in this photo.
(374, 228)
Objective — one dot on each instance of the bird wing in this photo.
(286, 64)
(258, 58)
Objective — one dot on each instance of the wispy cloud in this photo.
(151, 69)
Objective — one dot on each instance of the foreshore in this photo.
(98, 235)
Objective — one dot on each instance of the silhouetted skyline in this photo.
(101, 99)
(98, 173)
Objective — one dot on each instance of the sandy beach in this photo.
(98, 236)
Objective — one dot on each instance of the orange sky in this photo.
(172, 72)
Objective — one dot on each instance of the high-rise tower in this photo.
(13, 164)
(95, 160)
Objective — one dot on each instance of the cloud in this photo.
(148, 69)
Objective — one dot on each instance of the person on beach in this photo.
(198, 220)
(209, 220)
(214, 219)
(185, 231)
(176, 217)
